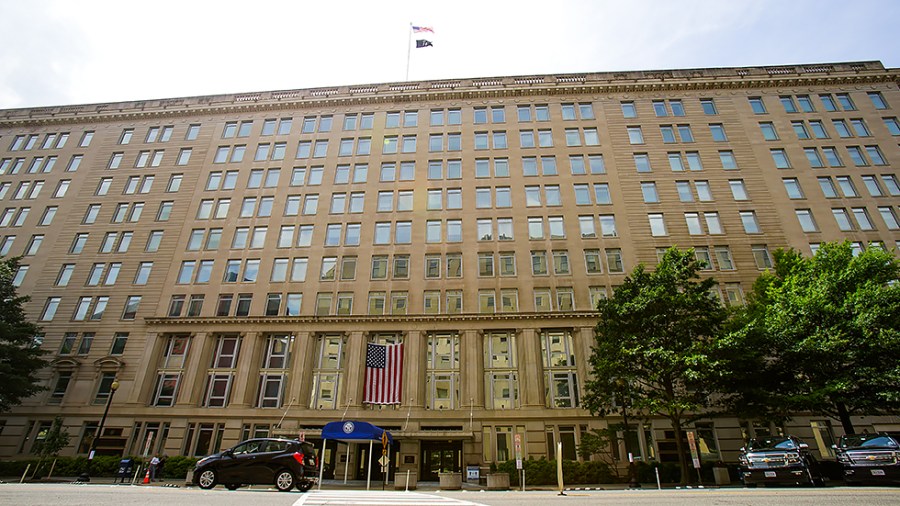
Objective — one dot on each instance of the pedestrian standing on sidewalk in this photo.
(161, 466)
(154, 463)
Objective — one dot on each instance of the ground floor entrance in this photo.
(440, 456)
(366, 460)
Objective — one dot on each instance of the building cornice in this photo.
(565, 319)
(474, 89)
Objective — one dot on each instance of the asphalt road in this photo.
(112, 495)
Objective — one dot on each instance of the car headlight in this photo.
(843, 457)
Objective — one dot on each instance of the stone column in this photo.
(414, 369)
(193, 380)
(245, 376)
(354, 371)
(531, 368)
(472, 368)
(303, 361)
(145, 376)
(584, 339)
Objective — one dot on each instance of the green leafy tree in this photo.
(600, 443)
(656, 345)
(51, 442)
(19, 358)
(825, 332)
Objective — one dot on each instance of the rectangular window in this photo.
(779, 156)
(717, 130)
(807, 223)
(635, 135)
(757, 105)
(877, 100)
(657, 225)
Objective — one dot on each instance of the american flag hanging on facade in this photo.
(384, 373)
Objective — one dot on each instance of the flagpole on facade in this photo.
(408, 50)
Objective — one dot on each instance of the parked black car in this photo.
(285, 463)
(782, 460)
(870, 458)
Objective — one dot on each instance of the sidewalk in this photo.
(339, 484)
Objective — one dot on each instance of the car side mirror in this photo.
(743, 448)
(834, 447)
(228, 453)
(804, 446)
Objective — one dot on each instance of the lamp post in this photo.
(86, 475)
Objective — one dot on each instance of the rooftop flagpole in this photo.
(408, 50)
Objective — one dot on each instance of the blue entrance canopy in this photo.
(352, 430)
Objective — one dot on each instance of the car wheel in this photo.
(207, 479)
(304, 486)
(284, 480)
(233, 486)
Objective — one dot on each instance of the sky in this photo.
(60, 52)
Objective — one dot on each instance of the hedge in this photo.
(102, 465)
(543, 472)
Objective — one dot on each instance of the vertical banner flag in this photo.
(384, 368)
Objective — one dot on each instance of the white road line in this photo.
(377, 498)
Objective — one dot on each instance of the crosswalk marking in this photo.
(377, 498)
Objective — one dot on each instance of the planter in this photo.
(498, 481)
(450, 481)
(404, 481)
(721, 476)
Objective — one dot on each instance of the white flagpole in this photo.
(408, 50)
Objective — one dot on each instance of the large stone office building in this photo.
(227, 258)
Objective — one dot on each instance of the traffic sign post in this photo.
(384, 460)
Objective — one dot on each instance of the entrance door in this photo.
(440, 456)
(364, 460)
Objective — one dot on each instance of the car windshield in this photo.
(868, 441)
(779, 443)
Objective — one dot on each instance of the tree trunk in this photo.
(844, 416)
(679, 446)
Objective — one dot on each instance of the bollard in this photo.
(658, 484)
(559, 468)
(407, 481)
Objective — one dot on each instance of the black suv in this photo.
(783, 459)
(284, 463)
(870, 458)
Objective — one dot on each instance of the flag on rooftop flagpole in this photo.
(420, 29)
(423, 43)
(384, 372)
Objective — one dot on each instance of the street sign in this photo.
(383, 461)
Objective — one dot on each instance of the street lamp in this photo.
(86, 475)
